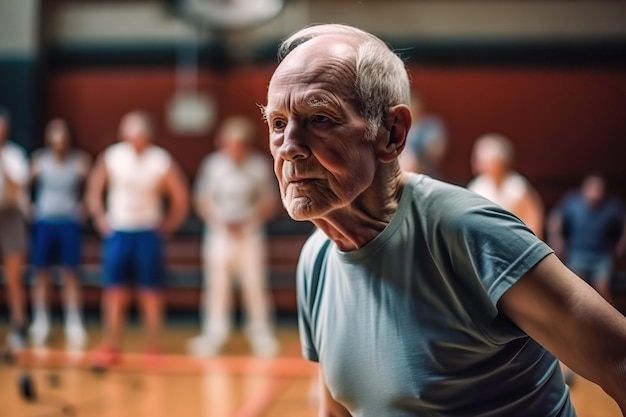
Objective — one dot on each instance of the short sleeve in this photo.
(308, 283)
(304, 315)
(492, 246)
(162, 161)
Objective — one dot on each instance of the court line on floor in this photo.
(262, 398)
(288, 365)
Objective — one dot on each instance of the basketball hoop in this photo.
(227, 15)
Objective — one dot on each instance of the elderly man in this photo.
(13, 202)
(137, 175)
(417, 297)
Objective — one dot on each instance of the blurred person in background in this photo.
(492, 160)
(58, 172)
(587, 230)
(426, 142)
(137, 176)
(235, 195)
(13, 204)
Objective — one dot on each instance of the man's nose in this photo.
(294, 145)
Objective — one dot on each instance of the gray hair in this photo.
(381, 80)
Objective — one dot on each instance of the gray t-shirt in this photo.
(58, 186)
(409, 325)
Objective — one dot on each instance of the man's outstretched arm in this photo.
(572, 321)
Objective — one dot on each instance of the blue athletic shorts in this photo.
(56, 243)
(133, 256)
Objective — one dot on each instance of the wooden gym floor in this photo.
(232, 385)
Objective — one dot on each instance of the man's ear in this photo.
(396, 127)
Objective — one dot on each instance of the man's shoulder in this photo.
(260, 159)
(313, 250)
(444, 206)
(116, 148)
(40, 154)
(14, 149)
(159, 152)
(433, 194)
(213, 159)
(315, 243)
(573, 199)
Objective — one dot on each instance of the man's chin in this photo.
(302, 210)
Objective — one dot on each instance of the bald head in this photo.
(365, 65)
(315, 31)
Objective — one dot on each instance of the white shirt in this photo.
(234, 190)
(15, 164)
(134, 199)
(507, 196)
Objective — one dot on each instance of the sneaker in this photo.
(76, 337)
(203, 346)
(264, 345)
(39, 332)
(16, 338)
(153, 357)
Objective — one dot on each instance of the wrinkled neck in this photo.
(355, 225)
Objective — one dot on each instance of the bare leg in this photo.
(115, 301)
(151, 303)
(74, 329)
(13, 266)
(40, 327)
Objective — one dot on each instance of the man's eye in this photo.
(278, 124)
(320, 118)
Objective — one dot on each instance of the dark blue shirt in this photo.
(591, 229)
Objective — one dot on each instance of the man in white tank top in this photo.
(137, 176)
(496, 181)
